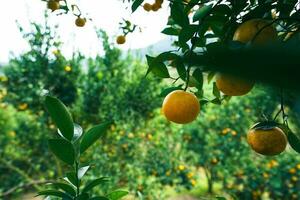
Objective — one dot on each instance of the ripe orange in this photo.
(232, 85)
(121, 39)
(214, 161)
(181, 107)
(250, 30)
(53, 5)
(268, 142)
(80, 22)
(147, 7)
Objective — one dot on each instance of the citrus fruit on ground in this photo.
(53, 5)
(232, 85)
(269, 142)
(121, 39)
(258, 30)
(147, 7)
(80, 22)
(181, 107)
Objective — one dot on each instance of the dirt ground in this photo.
(184, 197)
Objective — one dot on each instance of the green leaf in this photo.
(178, 14)
(202, 12)
(63, 150)
(82, 171)
(203, 102)
(199, 93)
(94, 183)
(181, 70)
(65, 187)
(210, 76)
(136, 4)
(92, 135)
(99, 198)
(190, 5)
(216, 91)
(118, 194)
(220, 198)
(222, 9)
(171, 31)
(293, 141)
(198, 75)
(198, 42)
(265, 125)
(71, 178)
(83, 196)
(217, 24)
(226, 97)
(157, 67)
(61, 116)
(77, 132)
(54, 193)
(166, 56)
(166, 91)
(216, 101)
(187, 33)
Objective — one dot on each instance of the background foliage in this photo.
(142, 151)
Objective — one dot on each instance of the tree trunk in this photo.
(209, 176)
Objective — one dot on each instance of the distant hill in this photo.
(154, 49)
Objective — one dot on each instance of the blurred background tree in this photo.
(142, 151)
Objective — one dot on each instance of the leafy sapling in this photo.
(68, 147)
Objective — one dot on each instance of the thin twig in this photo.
(23, 186)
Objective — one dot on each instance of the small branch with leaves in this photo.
(69, 146)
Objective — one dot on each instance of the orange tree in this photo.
(25, 79)
(40, 70)
(112, 90)
(220, 36)
(222, 150)
(222, 135)
(229, 37)
(109, 85)
(69, 146)
(119, 83)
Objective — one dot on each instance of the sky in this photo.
(105, 14)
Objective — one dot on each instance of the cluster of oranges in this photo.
(23, 106)
(188, 174)
(294, 169)
(183, 107)
(54, 5)
(154, 6)
(272, 164)
(225, 131)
